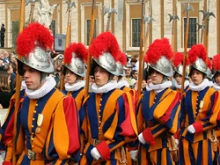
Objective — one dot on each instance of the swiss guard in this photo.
(47, 129)
(104, 117)
(200, 108)
(74, 69)
(158, 108)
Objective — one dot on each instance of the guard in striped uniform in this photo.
(47, 128)
(158, 108)
(200, 108)
(104, 119)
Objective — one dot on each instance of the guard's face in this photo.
(217, 78)
(101, 76)
(196, 77)
(32, 78)
(156, 77)
(178, 78)
(70, 77)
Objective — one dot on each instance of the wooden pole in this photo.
(68, 36)
(185, 51)
(18, 85)
(91, 34)
(218, 25)
(140, 70)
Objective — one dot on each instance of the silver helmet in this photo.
(209, 73)
(120, 69)
(197, 56)
(107, 62)
(77, 66)
(163, 66)
(37, 59)
(104, 50)
(199, 65)
(159, 57)
(33, 45)
(179, 70)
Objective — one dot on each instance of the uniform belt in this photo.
(33, 155)
(94, 142)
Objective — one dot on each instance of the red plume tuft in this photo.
(160, 47)
(122, 58)
(79, 49)
(216, 62)
(105, 42)
(197, 51)
(178, 59)
(33, 35)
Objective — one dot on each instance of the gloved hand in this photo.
(133, 154)
(177, 142)
(191, 129)
(95, 154)
(141, 138)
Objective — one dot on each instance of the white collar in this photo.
(105, 88)
(186, 84)
(199, 87)
(216, 86)
(45, 89)
(159, 87)
(76, 86)
(122, 83)
(210, 83)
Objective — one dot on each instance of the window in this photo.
(136, 30)
(88, 31)
(192, 31)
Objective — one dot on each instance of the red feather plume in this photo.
(178, 59)
(216, 62)
(79, 49)
(197, 51)
(160, 47)
(122, 58)
(105, 42)
(33, 35)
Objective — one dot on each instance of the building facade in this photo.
(127, 22)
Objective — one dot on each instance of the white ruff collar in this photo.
(122, 83)
(186, 84)
(159, 87)
(45, 89)
(199, 87)
(105, 88)
(74, 87)
(216, 86)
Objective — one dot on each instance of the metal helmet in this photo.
(179, 70)
(163, 66)
(33, 45)
(199, 65)
(38, 59)
(107, 62)
(120, 68)
(74, 58)
(104, 50)
(122, 60)
(159, 55)
(178, 61)
(209, 73)
(197, 57)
